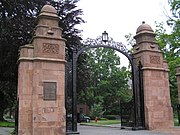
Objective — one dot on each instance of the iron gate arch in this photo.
(138, 101)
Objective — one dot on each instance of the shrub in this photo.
(96, 111)
(110, 117)
(102, 119)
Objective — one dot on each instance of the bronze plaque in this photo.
(49, 89)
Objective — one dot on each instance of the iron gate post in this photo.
(16, 116)
(68, 97)
(141, 96)
(134, 96)
(74, 98)
(138, 98)
(178, 112)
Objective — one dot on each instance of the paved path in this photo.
(93, 130)
(5, 131)
(109, 130)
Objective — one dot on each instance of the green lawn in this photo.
(110, 122)
(103, 122)
(6, 124)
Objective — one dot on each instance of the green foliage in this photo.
(107, 80)
(176, 122)
(17, 23)
(96, 111)
(110, 117)
(170, 46)
(102, 119)
(130, 40)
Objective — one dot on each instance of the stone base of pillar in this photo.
(162, 119)
(50, 131)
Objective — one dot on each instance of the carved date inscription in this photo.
(49, 89)
(50, 48)
(154, 59)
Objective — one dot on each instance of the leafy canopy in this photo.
(170, 45)
(108, 82)
(17, 23)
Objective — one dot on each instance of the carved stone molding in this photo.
(50, 48)
(154, 59)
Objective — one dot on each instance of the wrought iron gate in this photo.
(132, 112)
(127, 114)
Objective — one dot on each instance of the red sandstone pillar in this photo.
(158, 110)
(178, 80)
(41, 79)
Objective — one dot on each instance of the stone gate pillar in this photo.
(41, 79)
(178, 81)
(157, 104)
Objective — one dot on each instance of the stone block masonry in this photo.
(158, 110)
(41, 79)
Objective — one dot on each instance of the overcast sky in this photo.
(120, 17)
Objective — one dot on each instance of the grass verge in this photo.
(7, 124)
(111, 122)
(102, 122)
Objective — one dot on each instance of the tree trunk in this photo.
(10, 112)
(3, 105)
(1, 115)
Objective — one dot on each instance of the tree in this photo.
(170, 45)
(17, 19)
(108, 83)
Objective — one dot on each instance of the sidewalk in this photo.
(97, 130)
(5, 131)
(172, 131)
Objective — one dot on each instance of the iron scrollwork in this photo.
(110, 43)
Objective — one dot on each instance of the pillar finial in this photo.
(48, 3)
